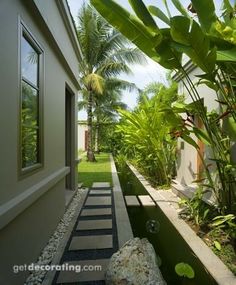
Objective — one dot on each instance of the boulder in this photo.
(134, 264)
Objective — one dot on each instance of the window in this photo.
(30, 106)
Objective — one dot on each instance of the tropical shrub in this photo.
(196, 208)
(146, 136)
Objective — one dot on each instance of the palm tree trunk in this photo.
(90, 153)
(96, 139)
(97, 134)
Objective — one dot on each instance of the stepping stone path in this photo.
(93, 240)
(146, 200)
(131, 201)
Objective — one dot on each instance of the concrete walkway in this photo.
(99, 228)
(93, 240)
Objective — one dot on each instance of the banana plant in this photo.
(146, 138)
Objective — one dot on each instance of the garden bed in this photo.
(218, 241)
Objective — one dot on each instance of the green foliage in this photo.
(206, 13)
(196, 208)
(29, 127)
(155, 11)
(226, 222)
(145, 135)
(180, 7)
(184, 270)
(121, 160)
(109, 140)
(129, 25)
(105, 55)
(191, 40)
(210, 43)
(144, 15)
(217, 245)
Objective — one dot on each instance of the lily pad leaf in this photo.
(184, 270)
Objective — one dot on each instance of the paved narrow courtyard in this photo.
(93, 239)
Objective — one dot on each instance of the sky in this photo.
(142, 75)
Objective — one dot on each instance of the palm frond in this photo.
(113, 68)
(94, 82)
(120, 84)
(129, 55)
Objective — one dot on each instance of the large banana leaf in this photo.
(227, 55)
(206, 13)
(129, 25)
(142, 12)
(189, 140)
(155, 11)
(190, 39)
(230, 128)
(180, 7)
(170, 58)
(202, 136)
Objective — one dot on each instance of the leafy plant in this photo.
(145, 135)
(184, 270)
(196, 208)
(217, 245)
(226, 222)
(121, 159)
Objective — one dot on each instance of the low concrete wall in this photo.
(124, 229)
(218, 270)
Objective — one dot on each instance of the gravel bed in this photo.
(48, 253)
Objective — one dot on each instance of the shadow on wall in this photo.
(190, 168)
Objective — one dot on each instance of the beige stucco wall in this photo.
(31, 206)
(22, 240)
(81, 136)
(187, 156)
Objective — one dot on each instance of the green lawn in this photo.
(99, 171)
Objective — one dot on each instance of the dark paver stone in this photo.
(98, 191)
(95, 224)
(101, 185)
(132, 201)
(96, 212)
(91, 242)
(97, 201)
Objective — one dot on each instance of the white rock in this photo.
(134, 264)
(35, 278)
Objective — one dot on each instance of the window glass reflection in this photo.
(29, 126)
(29, 62)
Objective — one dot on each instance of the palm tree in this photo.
(105, 107)
(105, 54)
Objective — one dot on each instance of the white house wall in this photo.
(187, 156)
(81, 136)
(60, 31)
